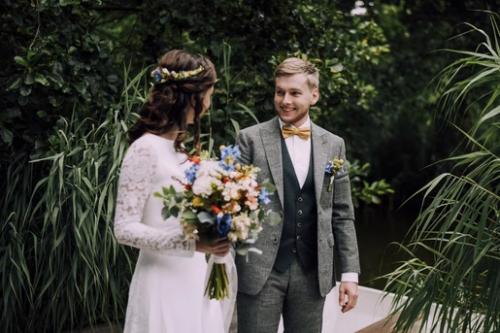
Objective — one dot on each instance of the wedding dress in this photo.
(167, 289)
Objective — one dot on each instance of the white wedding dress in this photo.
(167, 290)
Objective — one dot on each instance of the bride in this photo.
(167, 289)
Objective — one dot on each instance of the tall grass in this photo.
(459, 226)
(61, 268)
(227, 113)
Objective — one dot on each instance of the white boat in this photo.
(371, 314)
(371, 308)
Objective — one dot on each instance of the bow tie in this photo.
(288, 131)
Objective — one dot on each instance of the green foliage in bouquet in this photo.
(215, 194)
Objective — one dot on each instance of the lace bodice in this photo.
(150, 163)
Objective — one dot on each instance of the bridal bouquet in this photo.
(221, 199)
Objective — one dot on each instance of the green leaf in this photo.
(112, 78)
(174, 211)
(236, 126)
(39, 78)
(15, 84)
(188, 215)
(205, 217)
(21, 61)
(69, 2)
(25, 91)
(6, 135)
(28, 80)
(166, 213)
(490, 114)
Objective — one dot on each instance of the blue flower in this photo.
(156, 75)
(223, 224)
(229, 156)
(226, 166)
(230, 151)
(191, 173)
(264, 196)
(329, 168)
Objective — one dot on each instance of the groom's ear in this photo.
(315, 95)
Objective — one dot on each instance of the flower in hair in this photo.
(162, 74)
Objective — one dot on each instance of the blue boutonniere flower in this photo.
(332, 168)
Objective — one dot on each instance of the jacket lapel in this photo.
(320, 157)
(271, 141)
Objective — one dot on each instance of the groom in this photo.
(295, 271)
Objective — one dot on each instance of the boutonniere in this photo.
(332, 168)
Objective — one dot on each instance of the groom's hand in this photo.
(348, 295)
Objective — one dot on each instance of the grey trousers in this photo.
(294, 294)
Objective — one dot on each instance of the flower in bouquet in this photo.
(221, 199)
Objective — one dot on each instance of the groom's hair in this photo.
(291, 66)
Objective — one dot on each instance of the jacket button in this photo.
(300, 199)
(298, 236)
(299, 224)
(299, 212)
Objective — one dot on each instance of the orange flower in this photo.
(215, 209)
(195, 159)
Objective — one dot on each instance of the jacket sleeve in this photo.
(344, 231)
(244, 143)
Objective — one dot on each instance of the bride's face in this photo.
(205, 104)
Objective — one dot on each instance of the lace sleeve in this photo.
(134, 188)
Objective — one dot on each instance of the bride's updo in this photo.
(181, 81)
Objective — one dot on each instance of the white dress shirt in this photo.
(300, 154)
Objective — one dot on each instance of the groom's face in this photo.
(292, 98)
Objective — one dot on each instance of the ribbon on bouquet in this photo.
(227, 303)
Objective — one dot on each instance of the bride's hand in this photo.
(220, 247)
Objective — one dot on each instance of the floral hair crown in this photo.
(162, 74)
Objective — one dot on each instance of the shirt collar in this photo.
(306, 124)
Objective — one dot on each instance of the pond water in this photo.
(376, 230)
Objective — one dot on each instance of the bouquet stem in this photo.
(330, 184)
(218, 283)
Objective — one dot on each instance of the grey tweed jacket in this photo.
(260, 145)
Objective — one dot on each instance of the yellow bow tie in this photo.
(288, 131)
